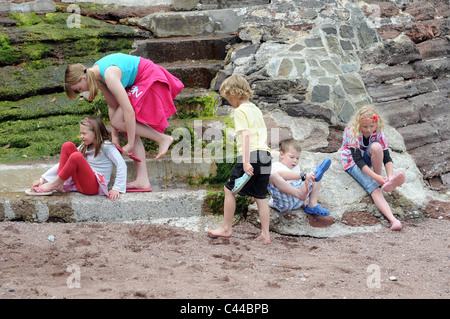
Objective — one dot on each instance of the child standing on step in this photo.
(363, 154)
(140, 97)
(254, 157)
(289, 187)
(86, 169)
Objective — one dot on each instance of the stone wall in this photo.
(322, 60)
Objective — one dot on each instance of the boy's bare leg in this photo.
(279, 182)
(228, 213)
(314, 195)
(264, 217)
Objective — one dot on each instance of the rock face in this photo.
(311, 64)
(326, 59)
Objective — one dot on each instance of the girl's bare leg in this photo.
(164, 141)
(385, 209)
(376, 157)
(141, 180)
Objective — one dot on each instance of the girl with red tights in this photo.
(86, 169)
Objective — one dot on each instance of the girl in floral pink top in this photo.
(363, 154)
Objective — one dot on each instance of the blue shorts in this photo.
(365, 180)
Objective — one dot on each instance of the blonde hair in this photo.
(291, 143)
(73, 75)
(95, 124)
(236, 86)
(367, 111)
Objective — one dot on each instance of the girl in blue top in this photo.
(140, 97)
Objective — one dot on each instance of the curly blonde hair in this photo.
(236, 86)
(365, 111)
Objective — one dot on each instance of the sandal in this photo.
(37, 191)
(393, 182)
(321, 169)
(317, 210)
(239, 183)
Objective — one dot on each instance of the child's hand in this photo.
(113, 195)
(248, 168)
(128, 149)
(310, 177)
(381, 180)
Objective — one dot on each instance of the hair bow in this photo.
(374, 118)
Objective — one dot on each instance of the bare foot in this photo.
(396, 225)
(263, 239)
(303, 191)
(164, 146)
(139, 184)
(220, 232)
(48, 187)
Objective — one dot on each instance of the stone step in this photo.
(192, 23)
(194, 74)
(163, 173)
(222, 4)
(75, 207)
(184, 49)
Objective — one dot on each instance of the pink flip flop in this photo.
(131, 188)
(137, 159)
(37, 191)
(393, 182)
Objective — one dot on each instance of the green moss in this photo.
(37, 138)
(25, 19)
(35, 50)
(215, 201)
(8, 53)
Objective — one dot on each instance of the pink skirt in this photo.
(152, 94)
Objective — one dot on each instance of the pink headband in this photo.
(374, 118)
(90, 122)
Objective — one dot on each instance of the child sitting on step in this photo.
(86, 169)
(289, 186)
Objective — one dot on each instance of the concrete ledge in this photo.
(75, 207)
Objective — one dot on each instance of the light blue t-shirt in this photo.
(129, 65)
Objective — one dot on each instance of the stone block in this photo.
(396, 91)
(431, 106)
(398, 113)
(391, 73)
(352, 84)
(432, 159)
(434, 48)
(181, 49)
(418, 135)
(392, 53)
(432, 68)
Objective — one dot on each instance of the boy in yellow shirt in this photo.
(254, 157)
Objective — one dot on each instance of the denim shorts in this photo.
(365, 180)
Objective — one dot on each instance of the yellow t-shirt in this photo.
(249, 117)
